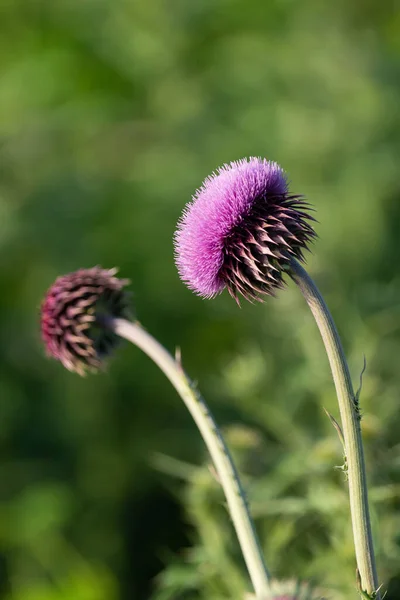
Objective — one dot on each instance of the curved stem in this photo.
(220, 455)
(350, 416)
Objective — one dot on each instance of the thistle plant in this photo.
(83, 316)
(244, 231)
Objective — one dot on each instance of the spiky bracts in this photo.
(241, 230)
(71, 313)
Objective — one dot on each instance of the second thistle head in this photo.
(241, 230)
(72, 316)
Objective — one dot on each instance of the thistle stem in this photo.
(350, 416)
(220, 455)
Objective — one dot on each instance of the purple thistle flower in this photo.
(241, 230)
(70, 315)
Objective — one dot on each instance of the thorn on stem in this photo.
(337, 427)
(178, 357)
(358, 393)
(344, 466)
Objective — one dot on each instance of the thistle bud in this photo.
(71, 316)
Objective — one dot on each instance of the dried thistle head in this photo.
(241, 230)
(71, 312)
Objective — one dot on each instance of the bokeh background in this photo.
(111, 114)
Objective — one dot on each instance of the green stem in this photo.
(350, 416)
(220, 455)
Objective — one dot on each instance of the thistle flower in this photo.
(70, 316)
(241, 230)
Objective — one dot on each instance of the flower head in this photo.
(241, 230)
(70, 315)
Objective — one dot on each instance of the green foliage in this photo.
(111, 114)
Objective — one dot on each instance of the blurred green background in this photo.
(111, 114)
